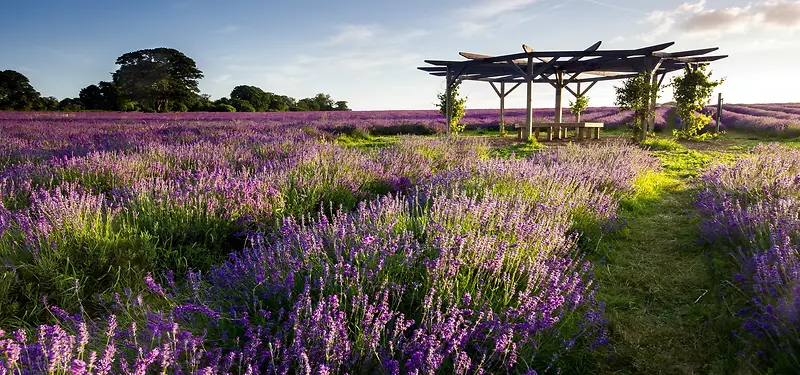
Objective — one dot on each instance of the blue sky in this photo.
(366, 52)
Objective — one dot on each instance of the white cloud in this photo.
(694, 19)
(352, 34)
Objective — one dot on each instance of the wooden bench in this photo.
(584, 129)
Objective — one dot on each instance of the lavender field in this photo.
(211, 243)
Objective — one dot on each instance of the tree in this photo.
(693, 92)
(16, 92)
(341, 106)
(157, 77)
(48, 103)
(577, 107)
(636, 95)
(242, 105)
(323, 102)
(102, 97)
(259, 99)
(306, 105)
(91, 97)
(458, 106)
(281, 103)
(70, 105)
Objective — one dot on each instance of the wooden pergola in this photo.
(561, 69)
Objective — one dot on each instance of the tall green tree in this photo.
(157, 78)
(16, 92)
(259, 99)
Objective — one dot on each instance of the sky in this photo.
(367, 52)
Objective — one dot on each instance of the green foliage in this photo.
(578, 106)
(224, 108)
(48, 103)
(281, 103)
(341, 106)
(157, 77)
(16, 92)
(256, 97)
(70, 105)
(242, 105)
(103, 97)
(636, 94)
(692, 92)
(458, 106)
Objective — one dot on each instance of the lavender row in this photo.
(753, 214)
(474, 269)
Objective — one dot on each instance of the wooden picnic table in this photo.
(585, 129)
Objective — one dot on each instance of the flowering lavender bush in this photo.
(216, 244)
(753, 211)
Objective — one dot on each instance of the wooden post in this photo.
(529, 100)
(449, 98)
(559, 107)
(502, 108)
(651, 119)
(578, 115)
(719, 112)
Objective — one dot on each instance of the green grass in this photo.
(662, 304)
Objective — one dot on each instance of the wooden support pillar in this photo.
(449, 99)
(559, 104)
(719, 112)
(502, 108)
(529, 102)
(578, 115)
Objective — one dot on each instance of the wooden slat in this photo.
(695, 52)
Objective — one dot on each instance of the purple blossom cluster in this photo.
(776, 118)
(752, 211)
(425, 256)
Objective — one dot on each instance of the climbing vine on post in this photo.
(578, 106)
(459, 108)
(693, 92)
(636, 95)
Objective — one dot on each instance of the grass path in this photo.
(662, 307)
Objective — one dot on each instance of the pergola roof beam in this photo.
(695, 52)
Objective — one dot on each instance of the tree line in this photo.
(155, 80)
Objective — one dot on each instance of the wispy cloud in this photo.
(352, 34)
(222, 78)
(487, 9)
(227, 29)
(611, 5)
(486, 15)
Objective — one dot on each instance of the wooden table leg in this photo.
(550, 133)
(579, 134)
(596, 133)
(537, 133)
